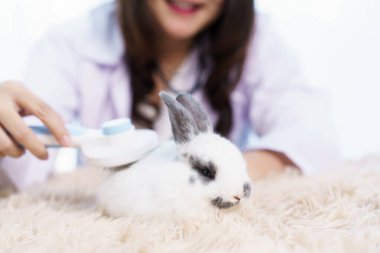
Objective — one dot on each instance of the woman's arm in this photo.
(289, 117)
(51, 75)
(263, 163)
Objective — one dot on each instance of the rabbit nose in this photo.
(237, 198)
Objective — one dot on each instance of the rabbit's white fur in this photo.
(165, 183)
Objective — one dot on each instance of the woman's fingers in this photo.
(15, 100)
(47, 115)
(8, 147)
(22, 134)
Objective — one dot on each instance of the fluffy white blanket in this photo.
(335, 212)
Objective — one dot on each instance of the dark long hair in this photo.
(223, 45)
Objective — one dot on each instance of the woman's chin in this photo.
(181, 33)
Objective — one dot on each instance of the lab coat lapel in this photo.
(120, 92)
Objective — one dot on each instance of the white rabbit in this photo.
(196, 173)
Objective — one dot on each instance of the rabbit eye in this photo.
(207, 170)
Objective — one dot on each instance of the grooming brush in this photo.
(117, 143)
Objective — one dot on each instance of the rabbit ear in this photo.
(200, 117)
(183, 125)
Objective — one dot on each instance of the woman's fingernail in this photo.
(45, 156)
(66, 141)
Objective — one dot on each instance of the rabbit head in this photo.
(218, 170)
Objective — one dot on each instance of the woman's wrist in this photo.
(262, 163)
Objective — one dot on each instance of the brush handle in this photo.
(80, 134)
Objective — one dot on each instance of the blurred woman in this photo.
(113, 63)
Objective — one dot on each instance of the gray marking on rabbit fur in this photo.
(220, 203)
(247, 190)
(198, 165)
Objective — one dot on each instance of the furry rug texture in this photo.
(335, 212)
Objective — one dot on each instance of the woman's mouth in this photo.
(183, 6)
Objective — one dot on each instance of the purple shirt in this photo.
(79, 70)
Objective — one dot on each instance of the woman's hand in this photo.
(263, 163)
(17, 101)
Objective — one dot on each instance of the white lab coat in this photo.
(79, 70)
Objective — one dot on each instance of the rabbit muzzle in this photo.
(221, 203)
